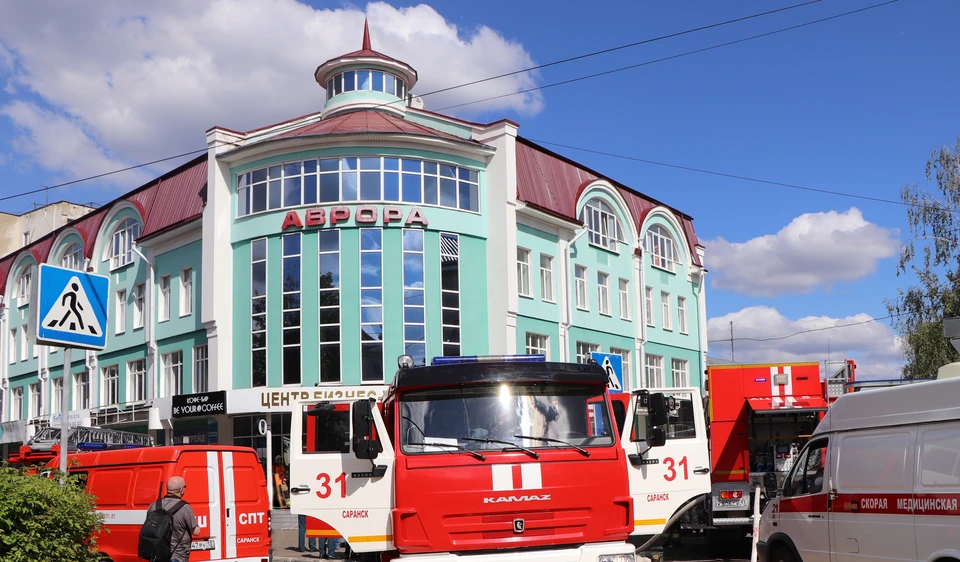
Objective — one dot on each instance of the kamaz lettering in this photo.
(510, 499)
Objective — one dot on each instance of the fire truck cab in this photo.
(487, 456)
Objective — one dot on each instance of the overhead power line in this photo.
(801, 332)
(672, 57)
(446, 89)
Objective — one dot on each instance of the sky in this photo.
(854, 105)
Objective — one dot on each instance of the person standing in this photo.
(184, 521)
(302, 524)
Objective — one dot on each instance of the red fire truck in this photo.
(760, 417)
(482, 458)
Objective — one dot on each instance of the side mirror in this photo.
(770, 485)
(321, 409)
(657, 410)
(363, 446)
(656, 437)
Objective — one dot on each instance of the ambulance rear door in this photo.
(663, 478)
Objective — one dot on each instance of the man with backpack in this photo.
(166, 534)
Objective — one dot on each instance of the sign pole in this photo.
(65, 411)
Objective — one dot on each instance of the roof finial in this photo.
(366, 36)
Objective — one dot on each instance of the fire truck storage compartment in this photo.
(775, 438)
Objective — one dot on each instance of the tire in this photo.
(783, 554)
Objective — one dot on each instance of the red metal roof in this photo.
(553, 183)
(368, 121)
(5, 265)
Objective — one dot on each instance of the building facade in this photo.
(303, 258)
(17, 231)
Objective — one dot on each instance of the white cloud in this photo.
(143, 81)
(873, 345)
(815, 250)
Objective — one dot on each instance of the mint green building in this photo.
(307, 256)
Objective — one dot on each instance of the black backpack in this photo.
(155, 535)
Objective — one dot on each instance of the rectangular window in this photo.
(164, 304)
(581, 274)
(57, 396)
(201, 369)
(682, 314)
(603, 292)
(414, 309)
(16, 403)
(371, 300)
(121, 311)
(73, 257)
(546, 278)
(81, 391)
(12, 346)
(24, 345)
(137, 386)
(681, 372)
(450, 293)
(523, 272)
(26, 239)
(624, 299)
(173, 372)
(648, 305)
(537, 345)
(36, 401)
(665, 311)
(329, 317)
(123, 238)
(585, 351)
(111, 385)
(625, 355)
(186, 291)
(139, 295)
(23, 288)
(655, 371)
(258, 312)
(291, 309)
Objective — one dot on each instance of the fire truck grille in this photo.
(471, 529)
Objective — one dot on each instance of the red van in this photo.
(225, 486)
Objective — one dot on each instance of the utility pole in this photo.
(732, 357)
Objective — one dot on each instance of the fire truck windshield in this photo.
(491, 417)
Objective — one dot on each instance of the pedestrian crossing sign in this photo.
(72, 309)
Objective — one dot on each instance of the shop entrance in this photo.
(246, 433)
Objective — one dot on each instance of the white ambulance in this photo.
(878, 480)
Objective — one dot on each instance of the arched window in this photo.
(72, 257)
(122, 248)
(23, 286)
(661, 248)
(602, 223)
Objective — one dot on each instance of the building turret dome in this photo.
(365, 79)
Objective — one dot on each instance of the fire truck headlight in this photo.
(617, 558)
(405, 361)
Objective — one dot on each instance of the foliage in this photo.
(919, 310)
(40, 521)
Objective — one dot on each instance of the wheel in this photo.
(783, 554)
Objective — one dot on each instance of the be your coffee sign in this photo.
(203, 404)
(366, 214)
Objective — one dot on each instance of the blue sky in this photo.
(853, 105)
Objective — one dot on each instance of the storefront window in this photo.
(329, 315)
(351, 178)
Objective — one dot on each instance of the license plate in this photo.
(742, 502)
(203, 545)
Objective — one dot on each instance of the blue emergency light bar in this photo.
(488, 359)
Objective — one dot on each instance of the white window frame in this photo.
(524, 289)
(12, 346)
(580, 273)
(23, 287)
(173, 372)
(36, 400)
(624, 287)
(186, 291)
(163, 299)
(24, 345)
(201, 369)
(682, 314)
(625, 356)
(538, 344)
(136, 379)
(653, 371)
(662, 248)
(121, 246)
(546, 279)
(648, 301)
(26, 239)
(603, 293)
(73, 257)
(81, 392)
(139, 300)
(680, 371)
(16, 403)
(667, 320)
(110, 376)
(120, 318)
(602, 224)
(57, 395)
(585, 351)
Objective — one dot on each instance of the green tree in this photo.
(40, 521)
(933, 254)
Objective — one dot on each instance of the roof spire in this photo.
(366, 36)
